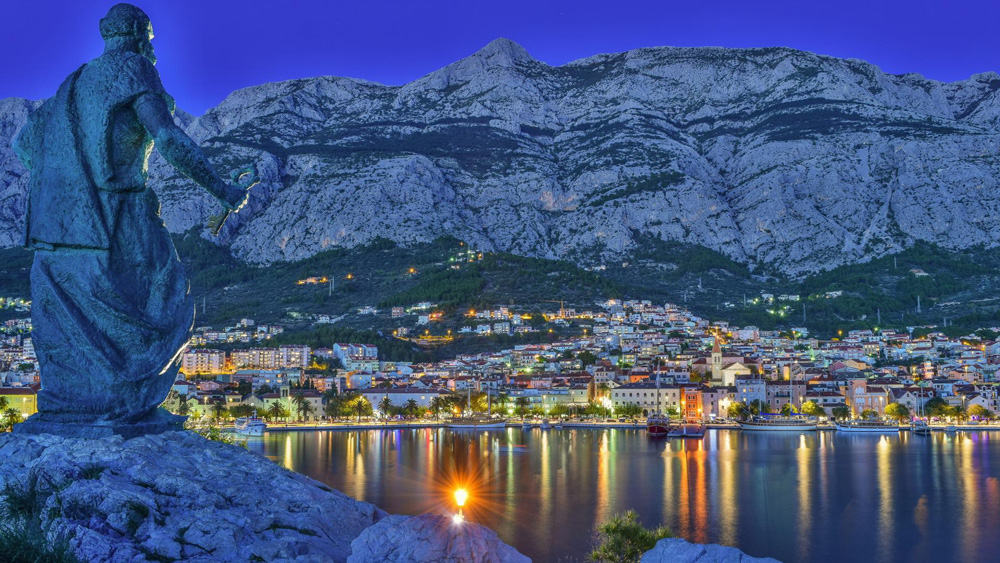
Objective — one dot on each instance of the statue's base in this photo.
(158, 422)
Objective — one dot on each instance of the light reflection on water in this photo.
(794, 496)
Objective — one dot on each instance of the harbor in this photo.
(794, 496)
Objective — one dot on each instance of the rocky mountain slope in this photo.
(771, 156)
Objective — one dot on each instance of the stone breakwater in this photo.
(179, 497)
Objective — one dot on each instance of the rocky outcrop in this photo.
(176, 496)
(771, 156)
(677, 550)
(431, 537)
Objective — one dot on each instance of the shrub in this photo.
(21, 537)
(213, 433)
(623, 539)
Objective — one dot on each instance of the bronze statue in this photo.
(111, 311)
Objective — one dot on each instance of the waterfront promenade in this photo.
(639, 425)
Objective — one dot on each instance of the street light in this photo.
(461, 496)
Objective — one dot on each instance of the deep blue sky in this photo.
(207, 48)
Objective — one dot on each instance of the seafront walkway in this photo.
(639, 425)
(406, 425)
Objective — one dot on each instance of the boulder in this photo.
(177, 496)
(431, 537)
(677, 550)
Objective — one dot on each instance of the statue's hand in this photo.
(234, 197)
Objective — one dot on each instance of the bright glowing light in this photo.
(458, 519)
(461, 495)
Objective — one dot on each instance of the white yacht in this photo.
(250, 425)
(476, 423)
(778, 424)
(866, 426)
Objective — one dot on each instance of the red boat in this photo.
(657, 426)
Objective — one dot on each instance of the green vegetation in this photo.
(21, 537)
(623, 539)
(897, 411)
(737, 411)
(843, 412)
(959, 286)
(936, 407)
(346, 405)
(215, 434)
(979, 411)
(653, 183)
(811, 408)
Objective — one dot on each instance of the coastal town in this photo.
(628, 360)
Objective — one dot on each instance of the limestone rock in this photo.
(677, 550)
(177, 496)
(771, 156)
(431, 537)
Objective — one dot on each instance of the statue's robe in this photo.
(111, 311)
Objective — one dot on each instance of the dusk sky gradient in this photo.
(208, 48)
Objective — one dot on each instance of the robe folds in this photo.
(111, 310)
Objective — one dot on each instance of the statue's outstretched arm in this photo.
(182, 152)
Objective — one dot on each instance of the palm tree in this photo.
(276, 411)
(306, 409)
(299, 403)
(437, 405)
(501, 400)
(522, 406)
(384, 406)
(218, 410)
(183, 408)
(11, 417)
(411, 408)
(362, 406)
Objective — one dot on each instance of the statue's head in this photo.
(126, 26)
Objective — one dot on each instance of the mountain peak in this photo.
(503, 52)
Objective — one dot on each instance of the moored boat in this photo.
(867, 426)
(657, 426)
(778, 424)
(472, 423)
(250, 425)
(920, 428)
(546, 425)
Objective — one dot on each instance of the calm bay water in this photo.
(820, 496)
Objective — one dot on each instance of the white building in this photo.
(203, 360)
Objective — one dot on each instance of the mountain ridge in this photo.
(775, 157)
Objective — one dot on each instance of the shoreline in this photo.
(344, 427)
